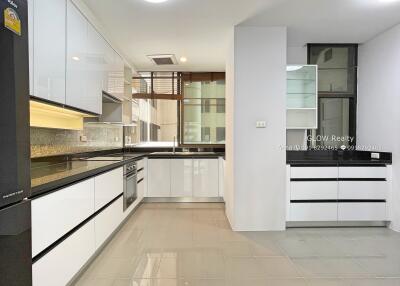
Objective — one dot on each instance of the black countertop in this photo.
(53, 173)
(336, 158)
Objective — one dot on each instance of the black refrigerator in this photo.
(15, 207)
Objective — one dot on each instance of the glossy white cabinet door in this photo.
(362, 211)
(49, 24)
(313, 190)
(205, 178)
(362, 172)
(116, 84)
(55, 214)
(363, 190)
(181, 178)
(221, 187)
(313, 212)
(107, 187)
(159, 178)
(106, 222)
(77, 46)
(96, 65)
(313, 172)
(108, 72)
(59, 265)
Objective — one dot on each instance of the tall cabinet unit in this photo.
(302, 97)
(47, 41)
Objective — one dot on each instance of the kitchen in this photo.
(139, 153)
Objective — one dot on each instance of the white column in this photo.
(256, 91)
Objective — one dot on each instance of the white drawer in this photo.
(108, 186)
(57, 213)
(140, 164)
(106, 222)
(313, 172)
(61, 264)
(362, 212)
(314, 190)
(362, 172)
(363, 190)
(313, 211)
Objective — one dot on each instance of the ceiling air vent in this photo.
(162, 60)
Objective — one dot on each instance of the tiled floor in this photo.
(186, 244)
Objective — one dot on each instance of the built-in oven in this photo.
(130, 184)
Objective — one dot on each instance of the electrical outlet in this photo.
(261, 124)
(83, 138)
(375, 155)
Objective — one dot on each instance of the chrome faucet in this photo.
(173, 146)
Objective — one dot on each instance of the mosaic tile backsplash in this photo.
(48, 142)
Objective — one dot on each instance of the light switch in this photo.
(261, 124)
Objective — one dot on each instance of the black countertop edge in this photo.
(334, 164)
(336, 158)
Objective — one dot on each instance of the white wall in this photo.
(255, 158)
(378, 116)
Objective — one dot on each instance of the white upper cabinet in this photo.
(76, 58)
(83, 91)
(48, 48)
(205, 178)
(96, 65)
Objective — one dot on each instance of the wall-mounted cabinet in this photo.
(302, 97)
(70, 61)
(47, 49)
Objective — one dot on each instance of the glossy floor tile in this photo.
(165, 244)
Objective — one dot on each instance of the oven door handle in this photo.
(128, 177)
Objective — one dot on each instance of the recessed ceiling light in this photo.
(76, 58)
(183, 59)
(155, 1)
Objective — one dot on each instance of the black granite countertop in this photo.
(336, 158)
(49, 174)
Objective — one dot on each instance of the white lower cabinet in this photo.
(57, 213)
(181, 178)
(59, 265)
(205, 178)
(107, 221)
(362, 211)
(313, 212)
(107, 187)
(159, 184)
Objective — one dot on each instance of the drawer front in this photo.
(107, 221)
(140, 164)
(313, 211)
(61, 264)
(108, 186)
(314, 190)
(363, 190)
(362, 212)
(55, 214)
(313, 172)
(362, 172)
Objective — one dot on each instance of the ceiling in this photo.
(200, 29)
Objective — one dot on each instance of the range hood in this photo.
(112, 110)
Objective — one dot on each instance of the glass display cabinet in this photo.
(302, 97)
